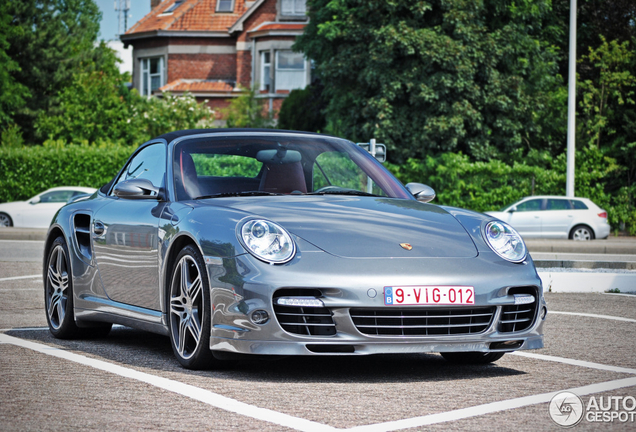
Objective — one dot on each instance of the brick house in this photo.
(210, 47)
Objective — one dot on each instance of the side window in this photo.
(338, 170)
(578, 205)
(558, 204)
(149, 163)
(61, 196)
(531, 205)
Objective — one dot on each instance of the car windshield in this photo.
(261, 164)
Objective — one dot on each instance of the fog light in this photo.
(300, 301)
(260, 317)
(521, 299)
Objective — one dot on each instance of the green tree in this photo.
(247, 111)
(433, 76)
(49, 40)
(303, 110)
(13, 95)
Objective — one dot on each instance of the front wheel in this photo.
(189, 310)
(581, 233)
(472, 357)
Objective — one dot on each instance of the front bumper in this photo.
(242, 285)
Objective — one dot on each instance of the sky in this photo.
(110, 26)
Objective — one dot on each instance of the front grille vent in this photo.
(307, 321)
(422, 321)
(515, 318)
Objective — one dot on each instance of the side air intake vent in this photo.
(82, 224)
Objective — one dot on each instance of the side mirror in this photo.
(35, 200)
(136, 189)
(380, 150)
(512, 209)
(421, 192)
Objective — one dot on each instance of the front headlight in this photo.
(267, 241)
(505, 241)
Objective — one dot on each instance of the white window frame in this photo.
(218, 6)
(266, 68)
(145, 89)
(278, 70)
(294, 10)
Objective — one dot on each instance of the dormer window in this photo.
(175, 5)
(293, 7)
(225, 6)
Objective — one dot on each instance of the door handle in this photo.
(98, 228)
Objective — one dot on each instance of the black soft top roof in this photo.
(170, 136)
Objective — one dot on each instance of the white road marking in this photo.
(21, 277)
(594, 316)
(573, 362)
(621, 295)
(205, 396)
(20, 289)
(493, 407)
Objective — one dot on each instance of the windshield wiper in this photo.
(236, 194)
(342, 192)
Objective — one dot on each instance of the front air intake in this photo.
(303, 317)
(516, 318)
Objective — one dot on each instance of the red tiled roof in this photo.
(280, 26)
(191, 15)
(197, 85)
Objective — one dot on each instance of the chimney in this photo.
(154, 4)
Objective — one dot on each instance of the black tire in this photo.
(189, 310)
(5, 220)
(582, 233)
(58, 297)
(472, 357)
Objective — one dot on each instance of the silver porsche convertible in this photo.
(282, 243)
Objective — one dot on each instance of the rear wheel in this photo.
(58, 296)
(189, 310)
(582, 233)
(472, 357)
(5, 220)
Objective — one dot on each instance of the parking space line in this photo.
(201, 395)
(609, 317)
(21, 277)
(573, 362)
(493, 407)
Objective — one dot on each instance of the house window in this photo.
(173, 7)
(152, 75)
(293, 7)
(290, 70)
(225, 6)
(266, 65)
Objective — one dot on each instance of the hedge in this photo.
(27, 171)
(481, 186)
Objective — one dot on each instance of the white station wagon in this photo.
(556, 217)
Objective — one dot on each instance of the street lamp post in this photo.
(571, 150)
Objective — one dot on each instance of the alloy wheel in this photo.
(186, 307)
(57, 287)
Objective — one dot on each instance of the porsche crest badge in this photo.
(406, 246)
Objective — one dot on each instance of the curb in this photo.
(12, 233)
(569, 264)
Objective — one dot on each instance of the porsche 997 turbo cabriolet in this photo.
(282, 243)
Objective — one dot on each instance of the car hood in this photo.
(364, 227)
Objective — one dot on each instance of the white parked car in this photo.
(38, 211)
(556, 217)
